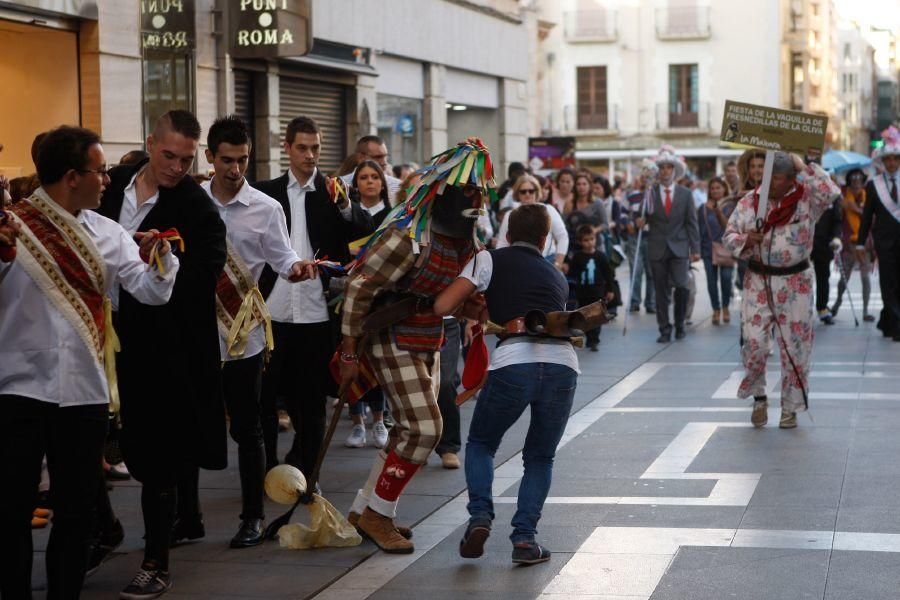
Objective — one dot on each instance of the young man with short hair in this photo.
(58, 352)
(257, 236)
(173, 415)
(525, 371)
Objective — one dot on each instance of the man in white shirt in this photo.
(321, 222)
(257, 235)
(55, 389)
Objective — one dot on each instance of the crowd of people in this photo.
(144, 307)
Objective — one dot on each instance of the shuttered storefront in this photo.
(243, 109)
(323, 102)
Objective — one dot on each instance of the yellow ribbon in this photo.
(245, 321)
(155, 257)
(111, 345)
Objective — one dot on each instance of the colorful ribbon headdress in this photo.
(467, 163)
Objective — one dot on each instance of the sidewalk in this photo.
(661, 490)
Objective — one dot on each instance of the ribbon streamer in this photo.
(111, 345)
(245, 321)
(170, 235)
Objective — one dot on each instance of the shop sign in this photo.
(551, 153)
(167, 25)
(269, 28)
(750, 125)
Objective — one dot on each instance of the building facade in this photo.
(625, 76)
(857, 89)
(421, 73)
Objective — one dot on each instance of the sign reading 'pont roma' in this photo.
(269, 28)
(167, 25)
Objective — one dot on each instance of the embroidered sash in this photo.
(885, 197)
(240, 307)
(67, 267)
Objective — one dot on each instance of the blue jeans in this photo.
(374, 398)
(549, 390)
(716, 276)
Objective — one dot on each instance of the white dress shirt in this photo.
(662, 194)
(130, 218)
(42, 356)
(256, 229)
(302, 302)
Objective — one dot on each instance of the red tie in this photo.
(668, 201)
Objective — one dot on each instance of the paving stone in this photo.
(863, 576)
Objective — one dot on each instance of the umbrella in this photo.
(838, 161)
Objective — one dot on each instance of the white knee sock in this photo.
(365, 494)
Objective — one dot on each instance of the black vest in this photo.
(523, 280)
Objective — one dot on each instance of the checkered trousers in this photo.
(410, 381)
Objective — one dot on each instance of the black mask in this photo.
(448, 216)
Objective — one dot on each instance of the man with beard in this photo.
(416, 253)
(173, 417)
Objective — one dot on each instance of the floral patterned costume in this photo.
(788, 302)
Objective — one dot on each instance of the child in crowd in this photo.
(593, 276)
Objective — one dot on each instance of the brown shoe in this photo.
(726, 316)
(353, 519)
(450, 460)
(760, 414)
(381, 531)
(716, 315)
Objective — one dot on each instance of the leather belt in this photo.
(514, 327)
(757, 267)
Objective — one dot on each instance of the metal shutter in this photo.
(323, 102)
(244, 109)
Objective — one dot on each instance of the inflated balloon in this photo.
(284, 484)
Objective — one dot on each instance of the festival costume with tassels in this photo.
(407, 255)
(54, 307)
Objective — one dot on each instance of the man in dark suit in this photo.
(321, 223)
(173, 417)
(826, 241)
(883, 206)
(673, 242)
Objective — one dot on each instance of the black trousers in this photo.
(889, 281)
(450, 437)
(298, 371)
(242, 383)
(72, 438)
(822, 268)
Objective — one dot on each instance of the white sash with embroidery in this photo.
(885, 197)
(240, 307)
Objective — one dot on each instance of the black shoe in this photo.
(101, 549)
(249, 534)
(896, 338)
(650, 311)
(593, 348)
(868, 318)
(679, 334)
(834, 310)
(529, 553)
(634, 309)
(148, 583)
(190, 530)
(664, 338)
(472, 544)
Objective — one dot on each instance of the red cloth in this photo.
(365, 382)
(477, 361)
(395, 474)
(668, 201)
(781, 214)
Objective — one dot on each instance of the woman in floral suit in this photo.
(778, 285)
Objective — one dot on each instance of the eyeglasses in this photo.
(527, 191)
(102, 171)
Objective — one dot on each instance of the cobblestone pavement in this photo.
(661, 490)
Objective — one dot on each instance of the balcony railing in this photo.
(682, 23)
(591, 121)
(591, 26)
(680, 117)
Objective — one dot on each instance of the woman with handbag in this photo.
(717, 260)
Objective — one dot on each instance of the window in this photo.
(683, 96)
(592, 106)
(168, 84)
(797, 77)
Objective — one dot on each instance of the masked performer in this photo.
(778, 288)
(418, 251)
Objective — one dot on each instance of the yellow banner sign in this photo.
(751, 125)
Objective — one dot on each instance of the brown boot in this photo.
(716, 315)
(726, 316)
(381, 531)
(353, 519)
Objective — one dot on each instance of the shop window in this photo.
(400, 124)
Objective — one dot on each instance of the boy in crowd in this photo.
(525, 371)
(593, 276)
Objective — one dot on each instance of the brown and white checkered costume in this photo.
(408, 379)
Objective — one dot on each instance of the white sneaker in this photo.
(357, 437)
(380, 433)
